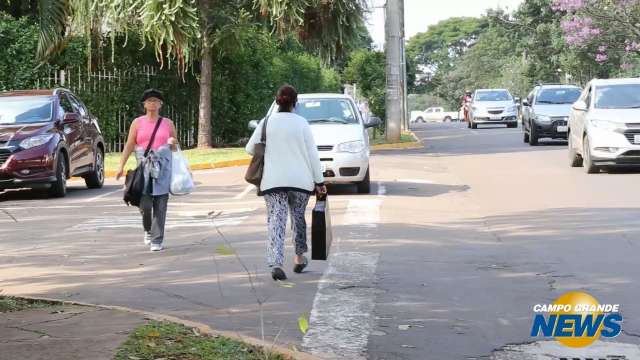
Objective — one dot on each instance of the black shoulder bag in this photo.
(134, 183)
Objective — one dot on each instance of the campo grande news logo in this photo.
(576, 319)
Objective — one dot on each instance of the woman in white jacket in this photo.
(292, 173)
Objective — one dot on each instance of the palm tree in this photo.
(188, 31)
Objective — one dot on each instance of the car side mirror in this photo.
(373, 122)
(580, 106)
(71, 118)
(525, 103)
(253, 124)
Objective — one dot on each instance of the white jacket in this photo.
(291, 157)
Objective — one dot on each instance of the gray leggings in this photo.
(279, 205)
(154, 215)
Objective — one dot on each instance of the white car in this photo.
(493, 106)
(604, 125)
(340, 132)
(433, 114)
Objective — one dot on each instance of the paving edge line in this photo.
(205, 166)
(203, 328)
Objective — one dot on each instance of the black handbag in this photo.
(134, 182)
(256, 167)
(321, 233)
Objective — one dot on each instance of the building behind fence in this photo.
(113, 96)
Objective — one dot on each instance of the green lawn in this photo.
(404, 138)
(164, 340)
(10, 304)
(196, 156)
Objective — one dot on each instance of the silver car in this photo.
(493, 106)
(546, 112)
(604, 125)
(340, 132)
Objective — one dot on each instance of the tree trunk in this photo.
(204, 118)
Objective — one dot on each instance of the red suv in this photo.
(46, 137)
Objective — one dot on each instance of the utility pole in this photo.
(394, 38)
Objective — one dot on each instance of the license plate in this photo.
(564, 128)
(636, 139)
(495, 118)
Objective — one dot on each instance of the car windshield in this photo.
(625, 96)
(337, 111)
(25, 110)
(494, 95)
(558, 96)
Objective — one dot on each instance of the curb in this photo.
(204, 329)
(414, 145)
(204, 166)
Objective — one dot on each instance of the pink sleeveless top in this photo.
(145, 129)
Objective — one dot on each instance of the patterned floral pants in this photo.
(280, 204)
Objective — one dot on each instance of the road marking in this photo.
(228, 218)
(341, 319)
(103, 195)
(244, 193)
(363, 212)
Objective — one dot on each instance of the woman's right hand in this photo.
(321, 189)
(120, 173)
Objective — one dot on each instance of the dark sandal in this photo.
(278, 274)
(298, 268)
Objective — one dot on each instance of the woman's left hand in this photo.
(173, 143)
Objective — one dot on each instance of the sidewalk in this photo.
(78, 331)
(65, 332)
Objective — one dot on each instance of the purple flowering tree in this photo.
(605, 28)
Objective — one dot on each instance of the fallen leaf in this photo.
(196, 332)
(286, 284)
(303, 324)
(224, 250)
(154, 334)
(404, 327)
(408, 346)
(131, 357)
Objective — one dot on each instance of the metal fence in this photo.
(113, 96)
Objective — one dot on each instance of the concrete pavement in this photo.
(442, 261)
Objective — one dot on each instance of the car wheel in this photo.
(574, 159)
(59, 187)
(474, 125)
(447, 119)
(95, 179)
(533, 136)
(587, 162)
(420, 120)
(364, 187)
(525, 137)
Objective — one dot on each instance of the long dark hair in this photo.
(287, 98)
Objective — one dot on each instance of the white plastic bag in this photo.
(181, 179)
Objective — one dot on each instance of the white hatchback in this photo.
(340, 132)
(604, 125)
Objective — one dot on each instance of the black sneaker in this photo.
(298, 268)
(278, 274)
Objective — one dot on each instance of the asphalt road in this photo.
(444, 260)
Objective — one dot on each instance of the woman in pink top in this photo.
(153, 205)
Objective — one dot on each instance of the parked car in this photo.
(46, 137)
(340, 132)
(493, 106)
(604, 125)
(434, 114)
(546, 112)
